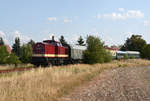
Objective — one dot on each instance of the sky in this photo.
(110, 20)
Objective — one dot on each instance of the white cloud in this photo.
(94, 29)
(121, 9)
(146, 23)
(128, 34)
(130, 14)
(9, 37)
(76, 17)
(2, 34)
(66, 20)
(73, 38)
(49, 37)
(52, 18)
(17, 33)
(23, 38)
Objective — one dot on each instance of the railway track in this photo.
(15, 70)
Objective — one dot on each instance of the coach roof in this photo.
(78, 47)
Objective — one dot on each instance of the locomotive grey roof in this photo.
(78, 47)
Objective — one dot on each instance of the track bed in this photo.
(121, 84)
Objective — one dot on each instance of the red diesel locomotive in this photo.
(49, 52)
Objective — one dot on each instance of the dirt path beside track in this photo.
(121, 84)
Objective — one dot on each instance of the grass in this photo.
(7, 67)
(49, 84)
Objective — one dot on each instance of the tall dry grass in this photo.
(49, 84)
(7, 67)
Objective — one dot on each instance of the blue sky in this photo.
(111, 20)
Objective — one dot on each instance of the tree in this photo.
(146, 51)
(26, 53)
(31, 42)
(95, 52)
(1, 41)
(13, 59)
(134, 43)
(3, 54)
(16, 47)
(80, 41)
(62, 41)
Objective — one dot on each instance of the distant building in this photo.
(112, 50)
(8, 49)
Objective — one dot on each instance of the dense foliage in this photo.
(31, 42)
(1, 41)
(3, 54)
(63, 41)
(80, 41)
(20, 54)
(13, 59)
(146, 51)
(134, 43)
(16, 47)
(26, 53)
(95, 52)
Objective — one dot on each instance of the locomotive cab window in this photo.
(54, 43)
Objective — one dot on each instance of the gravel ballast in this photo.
(121, 84)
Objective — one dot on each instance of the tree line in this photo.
(137, 43)
(23, 53)
(95, 52)
(19, 54)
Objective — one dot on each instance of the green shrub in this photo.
(13, 59)
(3, 54)
(95, 52)
(125, 57)
(146, 52)
(131, 57)
(108, 57)
(26, 53)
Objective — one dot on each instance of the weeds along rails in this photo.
(15, 70)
